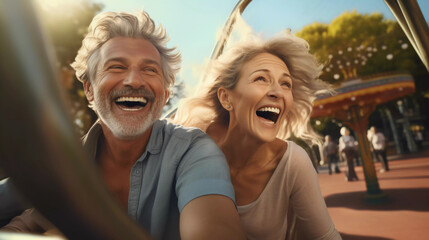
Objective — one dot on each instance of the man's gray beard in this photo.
(122, 130)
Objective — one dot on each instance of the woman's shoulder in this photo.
(295, 148)
(296, 166)
(290, 151)
(297, 156)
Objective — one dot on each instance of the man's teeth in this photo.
(132, 99)
(270, 109)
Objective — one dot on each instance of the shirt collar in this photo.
(154, 145)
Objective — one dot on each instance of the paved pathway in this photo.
(404, 217)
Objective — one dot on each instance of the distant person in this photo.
(419, 139)
(378, 142)
(348, 151)
(330, 151)
(369, 135)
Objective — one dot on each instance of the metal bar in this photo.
(227, 29)
(396, 11)
(402, 12)
(418, 27)
(220, 45)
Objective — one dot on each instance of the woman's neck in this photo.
(240, 148)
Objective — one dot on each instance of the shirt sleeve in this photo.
(203, 171)
(313, 219)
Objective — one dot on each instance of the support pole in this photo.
(359, 124)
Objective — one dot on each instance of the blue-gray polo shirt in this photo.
(178, 165)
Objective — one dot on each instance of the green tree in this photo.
(356, 45)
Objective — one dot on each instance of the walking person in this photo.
(330, 151)
(348, 151)
(378, 142)
(369, 135)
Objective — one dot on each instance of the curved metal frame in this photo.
(414, 25)
(220, 44)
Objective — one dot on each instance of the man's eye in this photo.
(117, 67)
(150, 69)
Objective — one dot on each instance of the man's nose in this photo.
(134, 78)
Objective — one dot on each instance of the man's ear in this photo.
(167, 96)
(89, 93)
(224, 98)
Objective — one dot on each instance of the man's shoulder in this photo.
(189, 140)
(181, 132)
(180, 137)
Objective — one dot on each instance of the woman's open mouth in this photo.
(269, 113)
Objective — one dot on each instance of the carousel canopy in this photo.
(364, 92)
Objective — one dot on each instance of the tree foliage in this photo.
(355, 45)
(66, 24)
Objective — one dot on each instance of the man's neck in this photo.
(121, 152)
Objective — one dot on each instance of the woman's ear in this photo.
(89, 93)
(224, 98)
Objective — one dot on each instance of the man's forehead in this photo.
(129, 48)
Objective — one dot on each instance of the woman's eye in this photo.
(260, 79)
(287, 84)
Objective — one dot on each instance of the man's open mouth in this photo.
(131, 103)
(269, 113)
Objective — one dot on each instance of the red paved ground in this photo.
(406, 214)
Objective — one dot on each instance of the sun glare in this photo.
(55, 5)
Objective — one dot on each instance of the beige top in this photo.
(294, 182)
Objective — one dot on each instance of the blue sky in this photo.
(192, 24)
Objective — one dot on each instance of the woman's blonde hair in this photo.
(204, 106)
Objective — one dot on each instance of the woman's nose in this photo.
(275, 91)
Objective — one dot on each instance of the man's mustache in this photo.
(127, 90)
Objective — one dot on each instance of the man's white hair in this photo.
(108, 25)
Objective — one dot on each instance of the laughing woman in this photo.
(259, 94)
